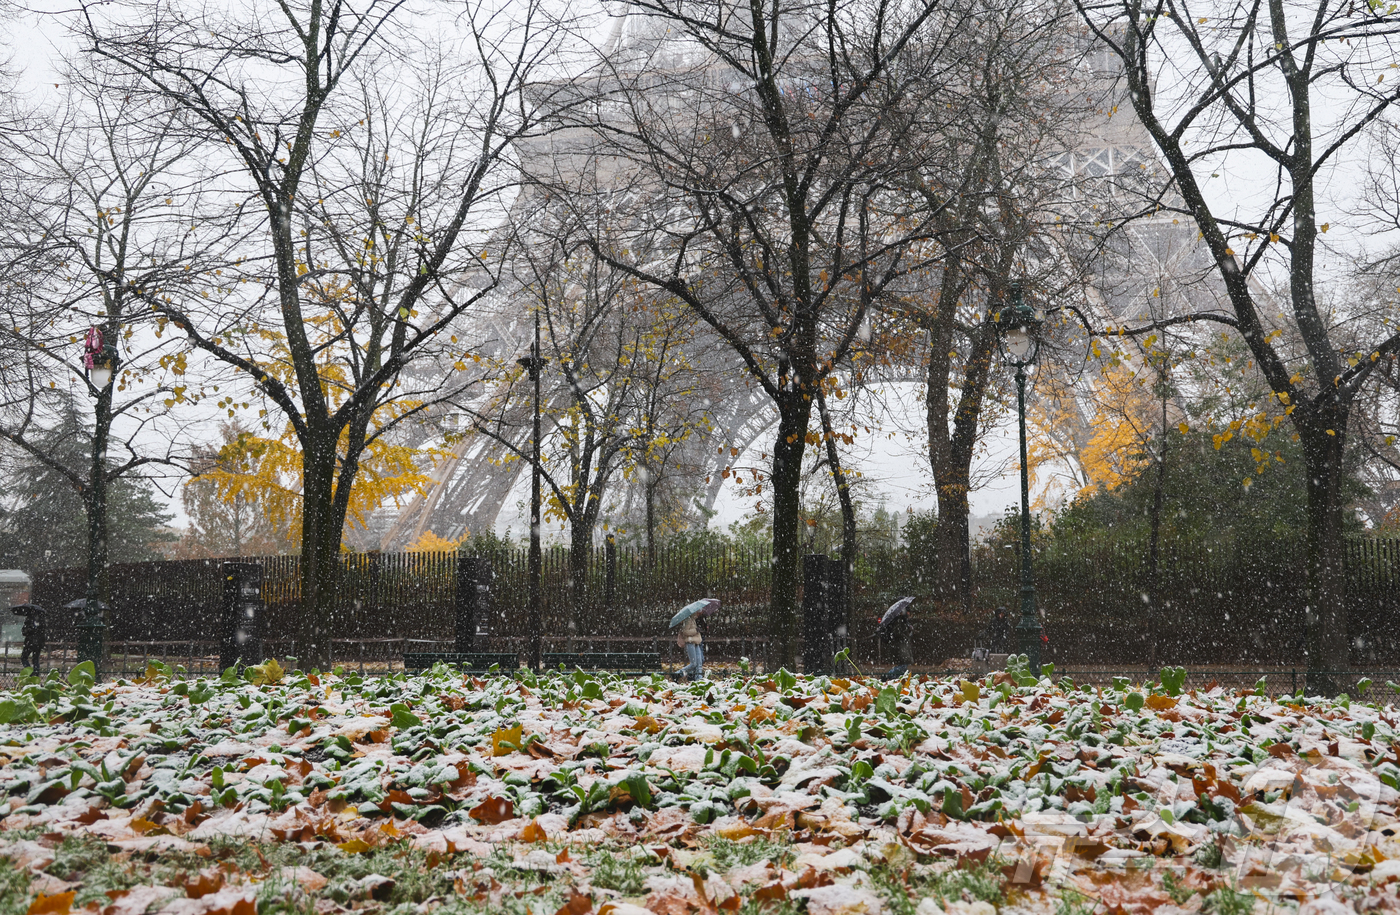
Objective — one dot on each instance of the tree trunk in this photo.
(1327, 640)
(1154, 589)
(580, 546)
(951, 446)
(96, 501)
(794, 413)
(843, 487)
(321, 526)
(649, 492)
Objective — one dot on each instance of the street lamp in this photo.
(100, 359)
(534, 364)
(1019, 326)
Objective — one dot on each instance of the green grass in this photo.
(1228, 901)
(14, 890)
(728, 853)
(1073, 902)
(87, 861)
(903, 888)
(613, 873)
(1177, 890)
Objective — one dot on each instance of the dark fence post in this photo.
(838, 609)
(472, 601)
(240, 636)
(610, 574)
(820, 610)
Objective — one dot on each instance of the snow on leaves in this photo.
(1137, 798)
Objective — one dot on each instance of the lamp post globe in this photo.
(1020, 327)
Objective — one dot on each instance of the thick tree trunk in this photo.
(951, 445)
(321, 526)
(952, 582)
(1328, 642)
(580, 546)
(794, 414)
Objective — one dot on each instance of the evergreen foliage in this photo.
(42, 521)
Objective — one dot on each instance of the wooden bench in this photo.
(467, 660)
(641, 661)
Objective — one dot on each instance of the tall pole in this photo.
(1029, 625)
(91, 629)
(536, 621)
(1154, 590)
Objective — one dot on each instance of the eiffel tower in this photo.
(1156, 258)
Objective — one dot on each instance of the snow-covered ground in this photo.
(584, 793)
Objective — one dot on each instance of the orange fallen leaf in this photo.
(534, 832)
(1160, 702)
(57, 904)
(648, 724)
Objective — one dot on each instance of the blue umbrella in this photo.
(702, 607)
(897, 609)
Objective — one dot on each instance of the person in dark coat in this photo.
(33, 634)
(997, 635)
(895, 631)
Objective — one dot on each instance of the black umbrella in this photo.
(26, 609)
(81, 604)
(897, 609)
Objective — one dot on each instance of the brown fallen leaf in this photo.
(91, 815)
(144, 827)
(204, 884)
(493, 810)
(534, 832)
(578, 904)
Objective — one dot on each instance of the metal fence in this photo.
(1238, 604)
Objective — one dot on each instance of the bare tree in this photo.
(368, 168)
(1232, 90)
(613, 354)
(1006, 208)
(98, 197)
(761, 191)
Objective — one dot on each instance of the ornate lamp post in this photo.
(1020, 325)
(533, 363)
(100, 359)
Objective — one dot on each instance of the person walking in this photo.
(997, 636)
(894, 630)
(692, 638)
(34, 636)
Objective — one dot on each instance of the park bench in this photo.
(467, 660)
(629, 661)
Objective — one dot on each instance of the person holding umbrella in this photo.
(894, 629)
(691, 638)
(34, 636)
